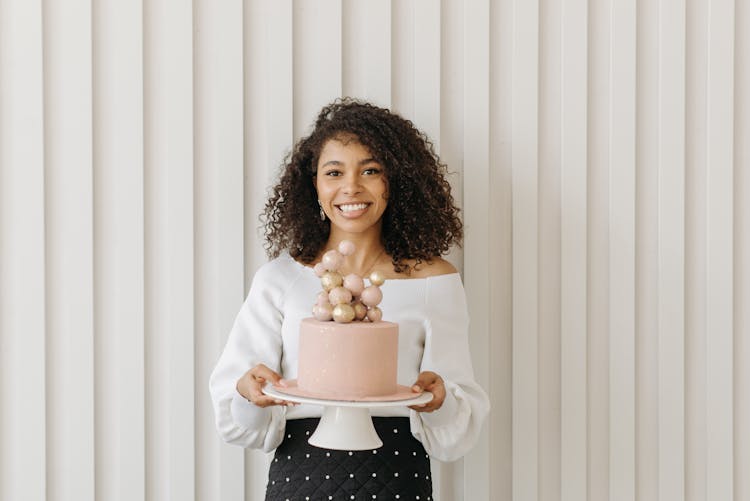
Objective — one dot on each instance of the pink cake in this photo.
(345, 361)
(346, 352)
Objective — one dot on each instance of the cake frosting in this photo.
(345, 361)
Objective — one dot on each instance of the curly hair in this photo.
(420, 221)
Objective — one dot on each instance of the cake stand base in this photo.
(345, 425)
(345, 428)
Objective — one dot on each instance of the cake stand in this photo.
(345, 424)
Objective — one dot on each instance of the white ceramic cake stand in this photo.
(346, 425)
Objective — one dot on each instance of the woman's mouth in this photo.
(353, 210)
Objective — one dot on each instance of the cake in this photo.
(346, 350)
(346, 361)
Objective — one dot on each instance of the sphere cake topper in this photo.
(346, 299)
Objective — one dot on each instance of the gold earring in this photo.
(322, 214)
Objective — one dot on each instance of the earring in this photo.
(322, 214)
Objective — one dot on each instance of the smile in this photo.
(346, 208)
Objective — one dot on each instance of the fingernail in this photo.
(416, 387)
(278, 401)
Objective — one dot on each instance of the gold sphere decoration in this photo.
(343, 313)
(377, 278)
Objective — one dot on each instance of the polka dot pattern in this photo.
(398, 470)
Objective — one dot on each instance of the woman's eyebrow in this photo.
(364, 161)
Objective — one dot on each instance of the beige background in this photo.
(600, 152)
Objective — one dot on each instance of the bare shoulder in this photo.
(436, 266)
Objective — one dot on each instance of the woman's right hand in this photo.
(250, 386)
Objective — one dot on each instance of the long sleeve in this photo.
(451, 431)
(255, 338)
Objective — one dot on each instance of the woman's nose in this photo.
(352, 185)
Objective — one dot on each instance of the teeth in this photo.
(352, 207)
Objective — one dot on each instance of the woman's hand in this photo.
(250, 386)
(429, 381)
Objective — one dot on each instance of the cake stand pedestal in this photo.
(346, 424)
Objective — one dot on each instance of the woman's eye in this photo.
(372, 171)
(333, 173)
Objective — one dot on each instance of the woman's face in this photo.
(352, 187)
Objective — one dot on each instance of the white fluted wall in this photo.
(601, 157)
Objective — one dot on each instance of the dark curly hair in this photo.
(420, 221)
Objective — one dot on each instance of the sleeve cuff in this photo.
(248, 415)
(445, 415)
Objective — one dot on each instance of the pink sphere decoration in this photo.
(346, 247)
(360, 310)
(343, 313)
(332, 260)
(323, 312)
(371, 296)
(339, 295)
(319, 269)
(354, 283)
(374, 314)
(322, 298)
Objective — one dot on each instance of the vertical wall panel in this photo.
(549, 234)
(598, 251)
(23, 416)
(170, 395)
(573, 252)
(720, 225)
(622, 250)
(427, 54)
(501, 242)
(476, 472)
(403, 54)
(671, 263)
(118, 249)
(647, 251)
(219, 236)
(69, 250)
(695, 251)
(524, 160)
(742, 253)
(366, 51)
(317, 59)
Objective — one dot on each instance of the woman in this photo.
(366, 175)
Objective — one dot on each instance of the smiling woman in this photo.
(367, 179)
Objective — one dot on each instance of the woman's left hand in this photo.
(429, 381)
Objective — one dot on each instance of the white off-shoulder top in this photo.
(433, 335)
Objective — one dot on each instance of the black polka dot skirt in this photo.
(400, 469)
